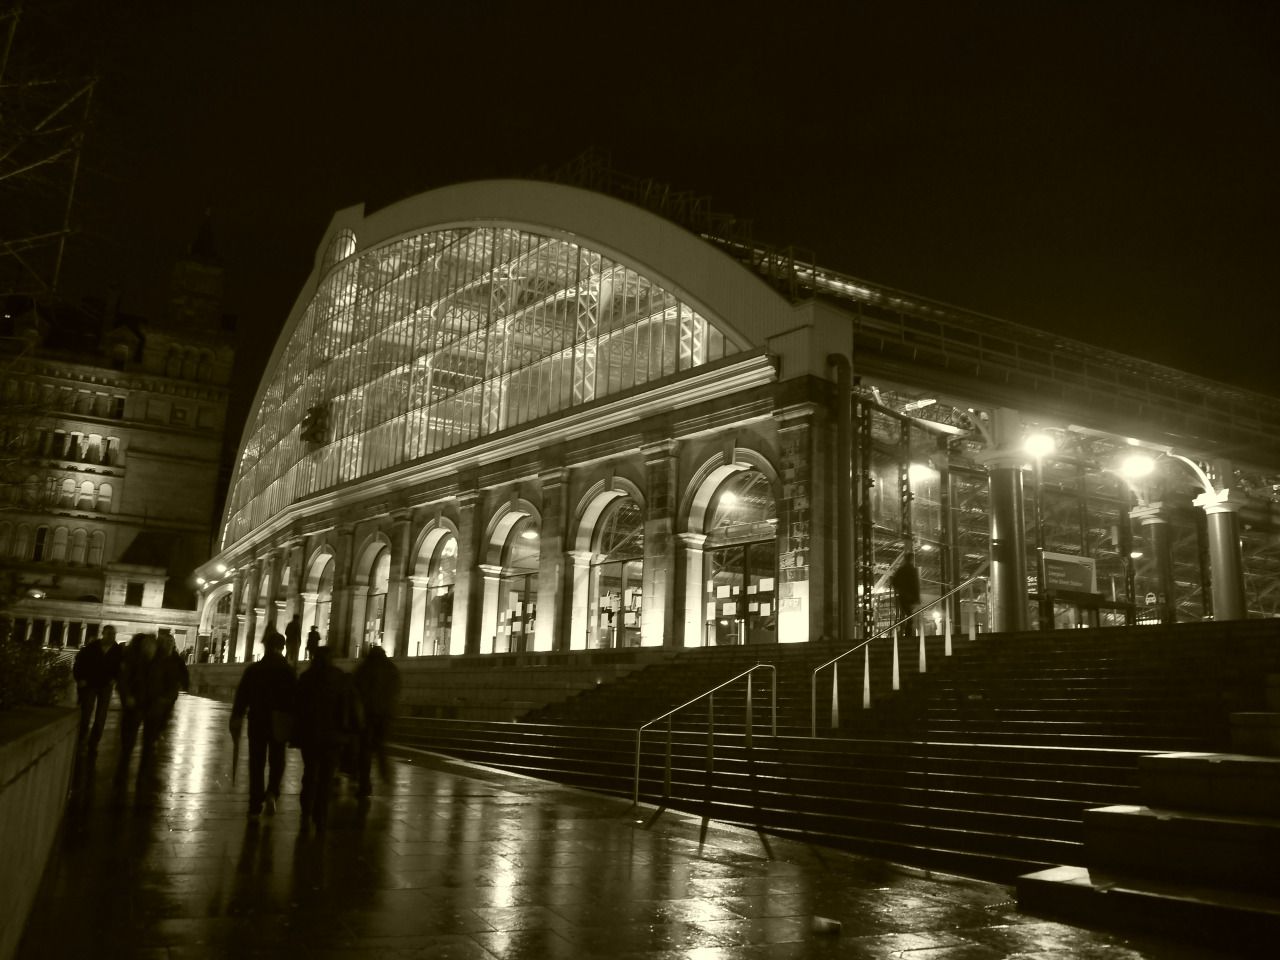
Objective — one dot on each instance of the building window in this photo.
(6, 539)
(79, 543)
(178, 415)
(41, 543)
(22, 542)
(133, 594)
(104, 498)
(59, 552)
(97, 544)
(117, 408)
(85, 500)
(67, 497)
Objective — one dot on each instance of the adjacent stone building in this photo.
(112, 436)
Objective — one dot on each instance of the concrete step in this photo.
(1211, 783)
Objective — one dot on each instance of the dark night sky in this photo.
(1107, 170)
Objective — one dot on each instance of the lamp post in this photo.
(1226, 567)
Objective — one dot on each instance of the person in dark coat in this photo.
(326, 717)
(293, 640)
(142, 685)
(906, 586)
(95, 670)
(265, 693)
(313, 642)
(174, 673)
(377, 682)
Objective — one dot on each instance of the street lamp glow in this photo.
(221, 568)
(920, 472)
(1039, 445)
(1136, 466)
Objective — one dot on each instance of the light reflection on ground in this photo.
(451, 861)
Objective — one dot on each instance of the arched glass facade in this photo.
(438, 339)
(741, 550)
(617, 575)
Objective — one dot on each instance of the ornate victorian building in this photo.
(112, 432)
(517, 416)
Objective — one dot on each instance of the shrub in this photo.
(30, 675)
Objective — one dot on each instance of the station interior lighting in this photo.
(1039, 445)
(1136, 466)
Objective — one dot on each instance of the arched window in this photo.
(741, 562)
(67, 497)
(438, 609)
(104, 498)
(375, 608)
(59, 552)
(85, 500)
(617, 570)
(41, 546)
(204, 369)
(22, 541)
(173, 363)
(324, 599)
(518, 588)
(31, 490)
(79, 542)
(6, 539)
(97, 543)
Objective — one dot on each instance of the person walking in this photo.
(906, 587)
(95, 670)
(143, 706)
(293, 640)
(174, 676)
(326, 716)
(265, 693)
(377, 682)
(313, 642)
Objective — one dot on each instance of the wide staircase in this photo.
(982, 763)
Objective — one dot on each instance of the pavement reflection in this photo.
(453, 861)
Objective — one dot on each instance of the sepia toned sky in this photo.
(1105, 170)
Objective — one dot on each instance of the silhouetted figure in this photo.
(906, 587)
(266, 693)
(326, 717)
(174, 674)
(95, 670)
(293, 640)
(377, 682)
(313, 642)
(143, 705)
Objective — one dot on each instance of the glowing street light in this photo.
(1039, 445)
(1136, 466)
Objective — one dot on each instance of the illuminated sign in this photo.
(1064, 571)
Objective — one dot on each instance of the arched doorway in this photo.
(375, 605)
(616, 577)
(514, 610)
(438, 572)
(740, 566)
(317, 595)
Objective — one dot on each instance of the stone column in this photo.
(1226, 563)
(657, 618)
(341, 629)
(292, 590)
(309, 602)
(1008, 542)
(693, 634)
(415, 632)
(253, 579)
(469, 586)
(488, 626)
(394, 627)
(1155, 529)
(580, 632)
(551, 630)
(272, 563)
(236, 629)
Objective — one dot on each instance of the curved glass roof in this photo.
(428, 342)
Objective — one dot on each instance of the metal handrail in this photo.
(813, 677)
(711, 725)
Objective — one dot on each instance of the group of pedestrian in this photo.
(327, 714)
(148, 674)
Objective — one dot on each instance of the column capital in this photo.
(581, 558)
(1220, 501)
(491, 571)
(553, 476)
(796, 415)
(659, 450)
(694, 541)
(1150, 513)
(419, 583)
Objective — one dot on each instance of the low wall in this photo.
(502, 687)
(37, 756)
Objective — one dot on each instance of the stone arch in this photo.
(368, 551)
(320, 557)
(500, 524)
(707, 479)
(430, 606)
(586, 609)
(427, 540)
(210, 604)
(595, 501)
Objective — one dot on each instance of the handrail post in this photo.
(813, 703)
(773, 675)
(748, 737)
(897, 674)
(635, 787)
(835, 696)
(866, 677)
(711, 739)
(946, 616)
(666, 781)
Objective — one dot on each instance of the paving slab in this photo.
(451, 861)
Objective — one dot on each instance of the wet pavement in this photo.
(454, 862)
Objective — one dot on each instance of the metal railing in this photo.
(865, 647)
(710, 697)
